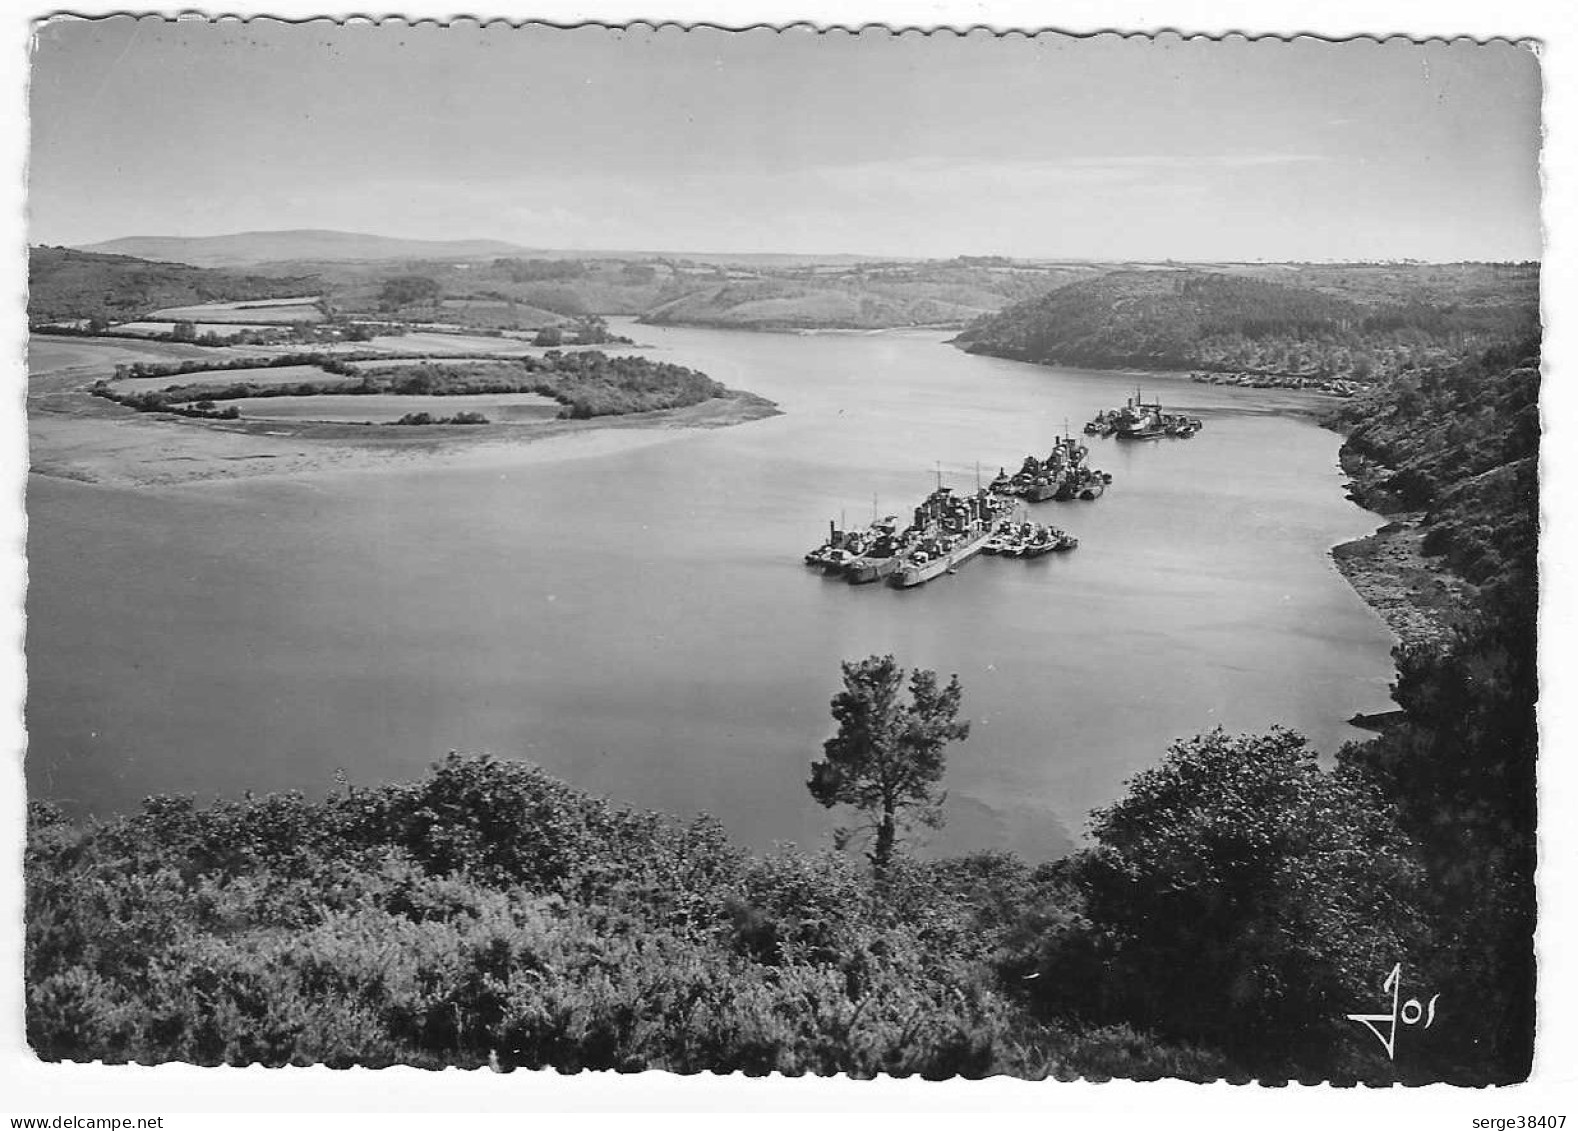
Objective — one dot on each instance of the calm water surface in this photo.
(641, 625)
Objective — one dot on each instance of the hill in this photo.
(863, 297)
(1357, 321)
(67, 284)
(249, 248)
(1459, 445)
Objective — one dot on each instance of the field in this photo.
(268, 375)
(221, 328)
(271, 312)
(377, 408)
(47, 356)
(401, 362)
(493, 313)
(429, 343)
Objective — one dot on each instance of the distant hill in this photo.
(251, 248)
(864, 297)
(1322, 320)
(65, 284)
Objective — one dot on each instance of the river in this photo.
(640, 624)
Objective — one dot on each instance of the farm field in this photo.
(221, 328)
(380, 364)
(433, 344)
(47, 356)
(272, 312)
(277, 375)
(378, 408)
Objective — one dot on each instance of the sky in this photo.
(764, 141)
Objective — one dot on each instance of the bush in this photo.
(1238, 896)
(486, 914)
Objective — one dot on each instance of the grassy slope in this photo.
(76, 284)
(929, 294)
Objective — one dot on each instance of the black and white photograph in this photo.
(809, 551)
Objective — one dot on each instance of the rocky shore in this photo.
(1417, 597)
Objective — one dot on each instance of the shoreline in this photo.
(99, 445)
(1417, 598)
(88, 442)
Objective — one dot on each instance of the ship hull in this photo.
(863, 571)
(909, 576)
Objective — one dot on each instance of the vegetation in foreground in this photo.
(1230, 912)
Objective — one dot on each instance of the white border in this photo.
(28, 1087)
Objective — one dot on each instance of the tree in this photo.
(591, 330)
(887, 756)
(1461, 769)
(1240, 895)
(184, 331)
(409, 290)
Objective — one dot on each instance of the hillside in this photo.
(251, 248)
(1459, 445)
(1451, 453)
(1354, 321)
(67, 284)
(867, 297)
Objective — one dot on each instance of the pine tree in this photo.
(887, 758)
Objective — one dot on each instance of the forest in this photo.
(1359, 324)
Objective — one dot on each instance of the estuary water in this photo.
(639, 621)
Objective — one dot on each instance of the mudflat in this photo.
(73, 435)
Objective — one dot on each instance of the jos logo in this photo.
(1410, 1012)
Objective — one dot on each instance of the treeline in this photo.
(65, 284)
(587, 383)
(419, 418)
(337, 363)
(547, 270)
(101, 328)
(1224, 322)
